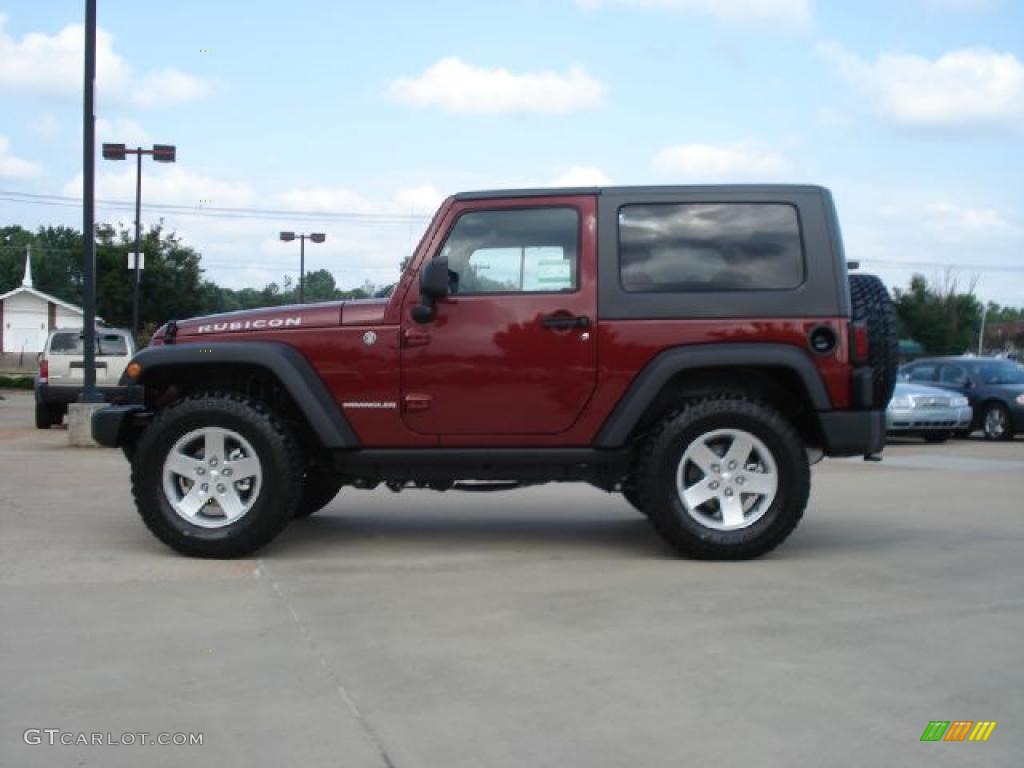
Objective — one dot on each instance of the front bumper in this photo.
(928, 419)
(117, 425)
(852, 433)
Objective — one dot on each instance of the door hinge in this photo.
(416, 403)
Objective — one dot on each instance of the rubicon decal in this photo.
(371, 404)
(250, 325)
(958, 730)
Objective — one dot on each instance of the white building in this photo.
(27, 316)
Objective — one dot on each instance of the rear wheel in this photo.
(48, 415)
(216, 475)
(724, 479)
(995, 422)
(873, 307)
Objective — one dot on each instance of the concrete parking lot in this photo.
(545, 627)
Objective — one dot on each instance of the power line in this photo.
(223, 212)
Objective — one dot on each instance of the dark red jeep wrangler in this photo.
(694, 348)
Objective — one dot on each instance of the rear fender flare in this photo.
(658, 372)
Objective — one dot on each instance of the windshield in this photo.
(997, 373)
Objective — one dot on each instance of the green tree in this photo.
(939, 317)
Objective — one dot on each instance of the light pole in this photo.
(89, 394)
(316, 237)
(162, 153)
(981, 333)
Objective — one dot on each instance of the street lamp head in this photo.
(287, 236)
(318, 237)
(114, 152)
(165, 153)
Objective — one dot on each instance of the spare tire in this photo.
(873, 307)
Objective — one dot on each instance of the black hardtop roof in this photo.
(719, 189)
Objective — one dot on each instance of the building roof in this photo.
(44, 296)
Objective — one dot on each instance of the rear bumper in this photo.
(50, 394)
(852, 433)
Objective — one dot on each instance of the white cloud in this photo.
(52, 64)
(792, 12)
(966, 87)
(959, 222)
(580, 176)
(167, 185)
(455, 86)
(421, 199)
(13, 167)
(45, 126)
(122, 131)
(718, 161)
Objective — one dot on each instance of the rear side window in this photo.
(710, 247)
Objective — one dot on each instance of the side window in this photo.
(534, 250)
(922, 373)
(953, 374)
(710, 247)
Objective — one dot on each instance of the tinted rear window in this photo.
(710, 247)
(107, 344)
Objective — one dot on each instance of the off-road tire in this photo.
(1007, 433)
(280, 459)
(655, 481)
(873, 306)
(318, 490)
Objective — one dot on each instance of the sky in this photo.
(357, 119)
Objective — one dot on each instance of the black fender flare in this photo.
(653, 377)
(291, 368)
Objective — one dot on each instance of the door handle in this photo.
(565, 321)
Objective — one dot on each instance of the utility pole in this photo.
(89, 394)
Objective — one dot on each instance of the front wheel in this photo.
(995, 422)
(216, 475)
(724, 478)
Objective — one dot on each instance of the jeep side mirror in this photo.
(434, 283)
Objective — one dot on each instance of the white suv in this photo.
(62, 368)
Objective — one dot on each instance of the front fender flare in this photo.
(295, 373)
(646, 386)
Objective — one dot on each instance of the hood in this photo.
(290, 317)
(329, 314)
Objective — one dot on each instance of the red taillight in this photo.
(44, 370)
(860, 348)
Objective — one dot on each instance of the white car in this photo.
(934, 414)
(62, 368)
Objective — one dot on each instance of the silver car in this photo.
(929, 412)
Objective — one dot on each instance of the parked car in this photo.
(994, 387)
(929, 412)
(61, 368)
